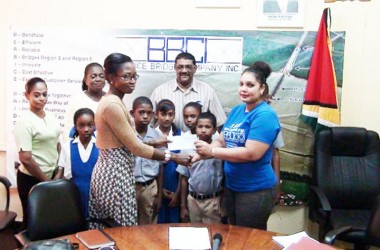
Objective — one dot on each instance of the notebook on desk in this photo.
(95, 238)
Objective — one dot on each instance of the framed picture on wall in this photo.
(280, 13)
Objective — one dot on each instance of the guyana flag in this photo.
(320, 106)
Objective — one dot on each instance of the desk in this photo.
(156, 237)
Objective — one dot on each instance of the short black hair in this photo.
(141, 100)
(82, 111)
(164, 106)
(195, 105)
(261, 70)
(208, 115)
(86, 69)
(31, 82)
(113, 63)
(78, 114)
(185, 55)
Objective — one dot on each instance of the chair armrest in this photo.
(5, 181)
(333, 234)
(322, 199)
(7, 185)
(23, 238)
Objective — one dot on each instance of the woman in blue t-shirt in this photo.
(245, 144)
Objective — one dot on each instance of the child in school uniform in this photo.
(148, 173)
(79, 155)
(169, 211)
(190, 113)
(201, 185)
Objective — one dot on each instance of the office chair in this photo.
(6, 217)
(345, 179)
(367, 237)
(54, 210)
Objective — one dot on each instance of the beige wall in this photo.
(360, 102)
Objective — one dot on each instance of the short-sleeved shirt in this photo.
(198, 92)
(259, 124)
(40, 136)
(146, 169)
(279, 142)
(205, 176)
(65, 156)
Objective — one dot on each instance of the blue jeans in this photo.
(249, 209)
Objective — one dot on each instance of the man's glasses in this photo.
(129, 77)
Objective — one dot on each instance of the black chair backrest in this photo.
(373, 229)
(54, 210)
(347, 166)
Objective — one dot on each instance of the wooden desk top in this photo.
(156, 237)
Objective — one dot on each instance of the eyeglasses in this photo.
(129, 77)
(187, 67)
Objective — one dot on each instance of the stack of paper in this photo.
(300, 241)
(189, 238)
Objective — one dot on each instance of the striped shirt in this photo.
(198, 92)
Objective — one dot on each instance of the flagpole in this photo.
(290, 63)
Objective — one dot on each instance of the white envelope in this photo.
(182, 142)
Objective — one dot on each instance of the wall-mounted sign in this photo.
(280, 13)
